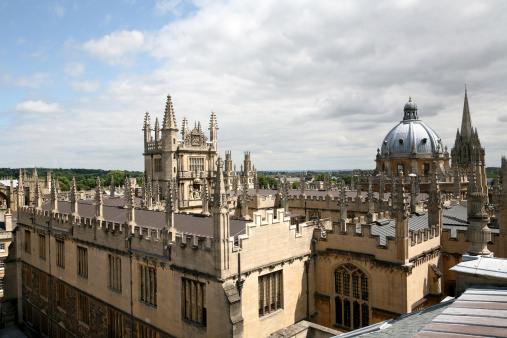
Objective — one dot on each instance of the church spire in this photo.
(466, 121)
(169, 118)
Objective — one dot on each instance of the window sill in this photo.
(148, 304)
(115, 290)
(86, 326)
(83, 276)
(60, 266)
(271, 314)
(195, 324)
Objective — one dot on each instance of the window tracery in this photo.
(351, 297)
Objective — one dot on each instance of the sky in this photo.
(302, 85)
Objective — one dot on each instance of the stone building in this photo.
(96, 268)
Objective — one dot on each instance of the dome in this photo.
(409, 134)
(410, 105)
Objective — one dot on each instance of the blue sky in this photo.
(299, 84)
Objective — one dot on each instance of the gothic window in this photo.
(27, 244)
(351, 297)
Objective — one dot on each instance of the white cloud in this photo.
(37, 80)
(163, 7)
(86, 86)
(74, 69)
(301, 86)
(114, 47)
(37, 107)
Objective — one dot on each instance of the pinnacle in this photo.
(169, 117)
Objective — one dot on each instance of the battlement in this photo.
(425, 234)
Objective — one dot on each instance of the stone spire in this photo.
(147, 128)
(213, 127)
(149, 194)
(156, 192)
(21, 190)
(144, 195)
(99, 205)
(343, 207)
(457, 183)
(413, 193)
(382, 185)
(466, 121)
(129, 204)
(359, 187)
(400, 212)
(38, 195)
(245, 199)
(169, 117)
(221, 225)
(54, 198)
(285, 195)
(157, 132)
(327, 182)
(184, 128)
(170, 209)
(73, 199)
(256, 183)
(205, 208)
(111, 188)
(434, 199)
(302, 184)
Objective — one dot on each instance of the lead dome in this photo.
(411, 135)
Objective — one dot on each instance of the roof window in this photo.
(400, 141)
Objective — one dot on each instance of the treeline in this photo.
(86, 179)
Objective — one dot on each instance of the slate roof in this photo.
(478, 312)
(188, 224)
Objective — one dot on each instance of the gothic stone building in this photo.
(97, 269)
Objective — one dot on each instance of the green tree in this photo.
(119, 177)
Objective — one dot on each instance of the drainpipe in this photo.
(129, 240)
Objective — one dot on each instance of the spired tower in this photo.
(467, 151)
(187, 162)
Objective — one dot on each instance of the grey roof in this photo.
(484, 266)
(189, 224)
(478, 312)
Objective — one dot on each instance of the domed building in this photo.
(411, 147)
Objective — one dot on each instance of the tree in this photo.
(119, 177)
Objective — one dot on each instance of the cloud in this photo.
(114, 47)
(37, 80)
(163, 7)
(300, 86)
(37, 107)
(59, 10)
(86, 86)
(74, 69)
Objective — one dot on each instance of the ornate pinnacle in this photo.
(398, 207)
(219, 199)
(302, 183)
(169, 117)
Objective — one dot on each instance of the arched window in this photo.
(351, 297)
